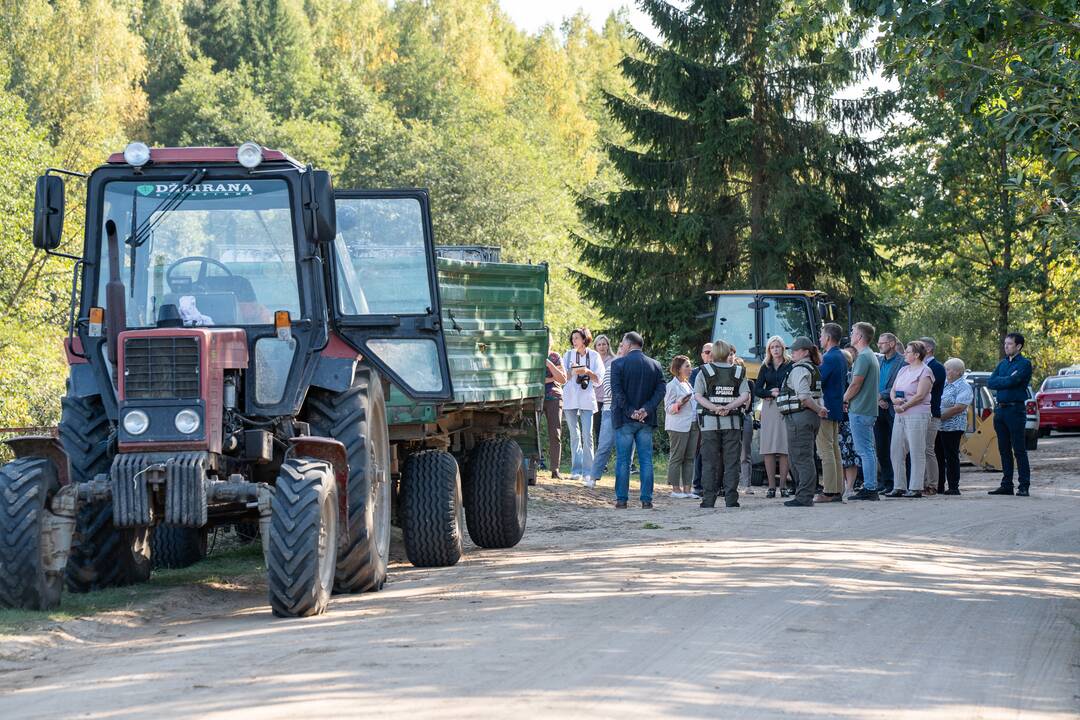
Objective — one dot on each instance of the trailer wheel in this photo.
(302, 555)
(496, 494)
(101, 555)
(25, 487)
(432, 515)
(357, 419)
(177, 547)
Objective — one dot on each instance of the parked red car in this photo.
(1059, 404)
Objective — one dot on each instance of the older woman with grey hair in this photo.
(956, 397)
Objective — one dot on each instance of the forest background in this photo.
(525, 140)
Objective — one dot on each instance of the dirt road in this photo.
(945, 608)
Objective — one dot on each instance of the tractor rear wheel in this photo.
(25, 487)
(496, 494)
(101, 555)
(357, 419)
(432, 516)
(302, 552)
(177, 547)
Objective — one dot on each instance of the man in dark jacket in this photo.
(1011, 378)
(637, 387)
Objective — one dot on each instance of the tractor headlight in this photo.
(136, 154)
(187, 421)
(136, 422)
(249, 155)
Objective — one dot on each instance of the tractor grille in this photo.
(161, 367)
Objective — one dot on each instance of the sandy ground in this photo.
(962, 607)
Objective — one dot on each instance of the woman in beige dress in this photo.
(773, 435)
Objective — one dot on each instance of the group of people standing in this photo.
(896, 418)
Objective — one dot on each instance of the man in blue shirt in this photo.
(833, 381)
(1011, 378)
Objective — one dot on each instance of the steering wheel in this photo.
(198, 281)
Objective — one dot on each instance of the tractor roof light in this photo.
(136, 154)
(250, 155)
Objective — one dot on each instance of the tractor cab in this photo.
(748, 318)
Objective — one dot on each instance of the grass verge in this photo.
(224, 566)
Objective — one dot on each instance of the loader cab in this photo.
(748, 318)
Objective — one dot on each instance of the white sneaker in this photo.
(574, 477)
(588, 481)
(694, 495)
(678, 495)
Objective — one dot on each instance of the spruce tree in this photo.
(742, 167)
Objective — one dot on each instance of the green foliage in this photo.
(500, 125)
(742, 168)
(1017, 64)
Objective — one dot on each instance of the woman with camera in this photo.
(585, 371)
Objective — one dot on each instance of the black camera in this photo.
(583, 381)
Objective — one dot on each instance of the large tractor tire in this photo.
(26, 485)
(357, 419)
(432, 517)
(177, 547)
(302, 555)
(496, 494)
(102, 556)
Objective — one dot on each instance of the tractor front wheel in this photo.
(432, 517)
(357, 419)
(102, 555)
(25, 487)
(302, 553)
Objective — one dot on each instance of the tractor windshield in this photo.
(220, 252)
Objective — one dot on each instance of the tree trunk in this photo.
(763, 270)
(1008, 227)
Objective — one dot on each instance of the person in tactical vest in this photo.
(800, 404)
(721, 390)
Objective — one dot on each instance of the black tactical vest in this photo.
(721, 385)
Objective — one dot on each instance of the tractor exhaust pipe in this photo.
(115, 303)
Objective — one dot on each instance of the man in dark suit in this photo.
(637, 387)
(935, 454)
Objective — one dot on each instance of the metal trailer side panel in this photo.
(496, 341)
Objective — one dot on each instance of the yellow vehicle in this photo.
(748, 318)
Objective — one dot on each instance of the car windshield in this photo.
(1062, 383)
(220, 252)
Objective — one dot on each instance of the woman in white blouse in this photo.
(584, 370)
(679, 411)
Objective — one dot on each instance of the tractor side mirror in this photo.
(321, 190)
(48, 212)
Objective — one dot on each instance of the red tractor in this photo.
(230, 353)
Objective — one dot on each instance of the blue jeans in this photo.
(628, 436)
(605, 445)
(862, 434)
(579, 422)
(1009, 424)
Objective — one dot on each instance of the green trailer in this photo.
(492, 322)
